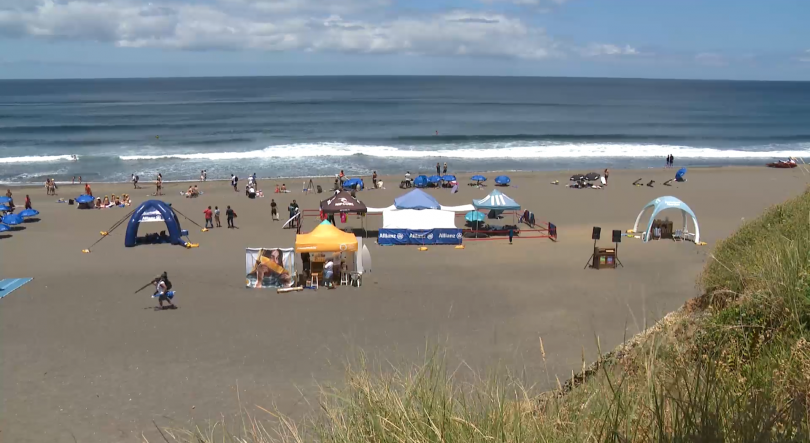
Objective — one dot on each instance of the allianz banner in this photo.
(419, 237)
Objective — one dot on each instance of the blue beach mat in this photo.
(9, 285)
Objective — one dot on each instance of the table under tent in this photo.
(327, 242)
(494, 204)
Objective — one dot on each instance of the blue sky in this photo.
(719, 39)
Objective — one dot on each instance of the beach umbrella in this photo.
(449, 178)
(478, 178)
(28, 213)
(4, 200)
(5, 208)
(84, 199)
(12, 219)
(4, 228)
(592, 176)
(502, 180)
(474, 216)
(679, 175)
(434, 179)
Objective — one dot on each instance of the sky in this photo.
(689, 39)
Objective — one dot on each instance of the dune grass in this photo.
(731, 366)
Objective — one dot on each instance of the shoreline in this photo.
(143, 184)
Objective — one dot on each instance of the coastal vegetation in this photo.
(731, 365)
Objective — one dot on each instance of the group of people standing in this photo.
(670, 161)
(50, 186)
(212, 216)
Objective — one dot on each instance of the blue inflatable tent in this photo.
(667, 202)
(420, 182)
(353, 183)
(152, 211)
(434, 179)
(416, 199)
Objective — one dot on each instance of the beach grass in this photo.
(732, 365)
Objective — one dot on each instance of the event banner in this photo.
(269, 267)
(447, 236)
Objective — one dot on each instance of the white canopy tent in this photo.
(667, 202)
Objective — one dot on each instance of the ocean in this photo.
(301, 126)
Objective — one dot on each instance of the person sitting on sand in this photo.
(283, 187)
(278, 190)
(195, 192)
(125, 200)
(106, 202)
(98, 203)
(188, 192)
(113, 198)
(117, 201)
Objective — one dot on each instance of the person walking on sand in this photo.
(80, 179)
(606, 174)
(27, 202)
(444, 171)
(73, 182)
(438, 168)
(273, 209)
(230, 215)
(671, 161)
(208, 218)
(216, 216)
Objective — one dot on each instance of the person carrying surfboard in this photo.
(163, 291)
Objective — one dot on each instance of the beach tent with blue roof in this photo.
(498, 201)
(154, 211)
(502, 180)
(416, 199)
(663, 203)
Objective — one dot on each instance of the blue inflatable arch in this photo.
(153, 211)
(667, 202)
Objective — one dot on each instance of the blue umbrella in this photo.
(679, 175)
(434, 179)
(352, 182)
(475, 216)
(5, 208)
(28, 213)
(449, 178)
(4, 228)
(478, 178)
(502, 180)
(4, 200)
(12, 219)
(84, 199)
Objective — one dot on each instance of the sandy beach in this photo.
(82, 357)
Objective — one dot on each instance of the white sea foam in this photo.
(36, 159)
(500, 151)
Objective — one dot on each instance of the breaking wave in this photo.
(503, 151)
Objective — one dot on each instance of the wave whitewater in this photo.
(510, 151)
(36, 159)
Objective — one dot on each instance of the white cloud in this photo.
(607, 50)
(358, 26)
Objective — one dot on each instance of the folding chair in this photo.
(678, 235)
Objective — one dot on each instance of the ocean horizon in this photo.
(319, 125)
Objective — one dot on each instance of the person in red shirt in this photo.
(209, 223)
(27, 202)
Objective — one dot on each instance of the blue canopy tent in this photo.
(154, 211)
(420, 182)
(502, 180)
(679, 176)
(28, 213)
(667, 202)
(416, 199)
(4, 228)
(12, 219)
(496, 200)
(4, 200)
(353, 183)
(434, 179)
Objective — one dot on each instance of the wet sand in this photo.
(82, 356)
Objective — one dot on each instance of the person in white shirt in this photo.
(162, 291)
(328, 272)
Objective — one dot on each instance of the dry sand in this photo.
(81, 356)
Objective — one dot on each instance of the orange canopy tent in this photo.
(325, 238)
